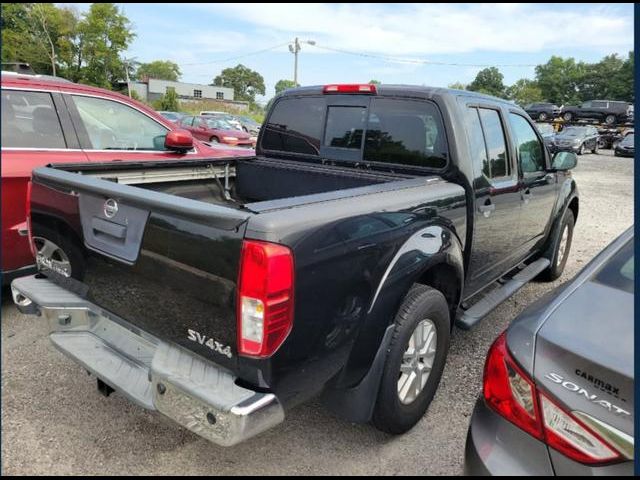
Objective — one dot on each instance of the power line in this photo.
(393, 59)
(257, 52)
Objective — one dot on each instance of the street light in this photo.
(295, 48)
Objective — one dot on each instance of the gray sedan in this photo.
(558, 383)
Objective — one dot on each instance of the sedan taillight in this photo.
(512, 394)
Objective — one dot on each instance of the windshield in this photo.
(218, 123)
(545, 129)
(628, 140)
(573, 132)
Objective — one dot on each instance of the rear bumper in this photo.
(158, 376)
(497, 447)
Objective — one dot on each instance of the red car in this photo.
(215, 130)
(50, 120)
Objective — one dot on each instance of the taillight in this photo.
(367, 88)
(512, 394)
(265, 298)
(28, 215)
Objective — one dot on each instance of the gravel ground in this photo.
(55, 422)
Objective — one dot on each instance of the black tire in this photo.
(610, 119)
(581, 150)
(594, 150)
(68, 246)
(390, 414)
(214, 140)
(542, 116)
(567, 117)
(556, 268)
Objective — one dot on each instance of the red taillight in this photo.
(367, 88)
(28, 216)
(265, 298)
(511, 393)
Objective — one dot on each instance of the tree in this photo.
(103, 34)
(524, 92)
(374, 82)
(561, 80)
(457, 86)
(169, 101)
(489, 81)
(160, 69)
(283, 85)
(246, 83)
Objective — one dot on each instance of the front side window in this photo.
(112, 125)
(30, 120)
(186, 121)
(496, 143)
(406, 132)
(530, 150)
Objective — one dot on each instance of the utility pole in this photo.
(295, 48)
(126, 72)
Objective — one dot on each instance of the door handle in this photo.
(487, 208)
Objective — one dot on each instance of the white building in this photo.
(150, 89)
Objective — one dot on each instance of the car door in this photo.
(200, 129)
(599, 109)
(112, 130)
(585, 110)
(36, 130)
(539, 186)
(497, 197)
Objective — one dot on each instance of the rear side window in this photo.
(477, 146)
(30, 120)
(295, 126)
(496, 143)
(407, 132)
(112, 125)
(618, 272)
(530, 150)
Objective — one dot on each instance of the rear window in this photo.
(396, 131)
(618, 272)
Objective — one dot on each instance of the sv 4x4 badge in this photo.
(210, 342)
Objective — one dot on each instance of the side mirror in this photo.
(563, 161)
(178, 140)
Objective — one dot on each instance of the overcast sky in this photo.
(203, 38)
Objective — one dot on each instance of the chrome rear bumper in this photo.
(193, 392)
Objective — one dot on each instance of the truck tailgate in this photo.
(164, 264)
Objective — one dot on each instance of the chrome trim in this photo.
(616, 438)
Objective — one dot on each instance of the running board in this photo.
(469, 317)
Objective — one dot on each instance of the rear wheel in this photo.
(58, 253)
(415, 360)
(567, 117)
(542, 116)
(610, 119)
(559, 249)
(214, 140)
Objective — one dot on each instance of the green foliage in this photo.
(283, 85)
(560, 80)
(458, 86)
(160, 69)
(246, 83)
(524, 92)
(489, 81)
(169, 101)
(374, 82)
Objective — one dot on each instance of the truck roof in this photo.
(403, 91)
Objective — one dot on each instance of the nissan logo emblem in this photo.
(110, 208)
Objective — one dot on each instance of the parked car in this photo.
(577, 139)
(626, 147)
(548, 134)
(335, 262)
(558, 395)
(216, 130)
(171, 116)
(542, 111)
(227, 117)
(249, 125)
(50, 120)
(607, 111)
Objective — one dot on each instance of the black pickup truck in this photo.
(334, 263)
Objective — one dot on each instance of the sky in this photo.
(392, 43)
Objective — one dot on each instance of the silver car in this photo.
(558, 383)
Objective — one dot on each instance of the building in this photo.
(151, 89)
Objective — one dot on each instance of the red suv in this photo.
(50, 120)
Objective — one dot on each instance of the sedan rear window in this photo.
(618, 272)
